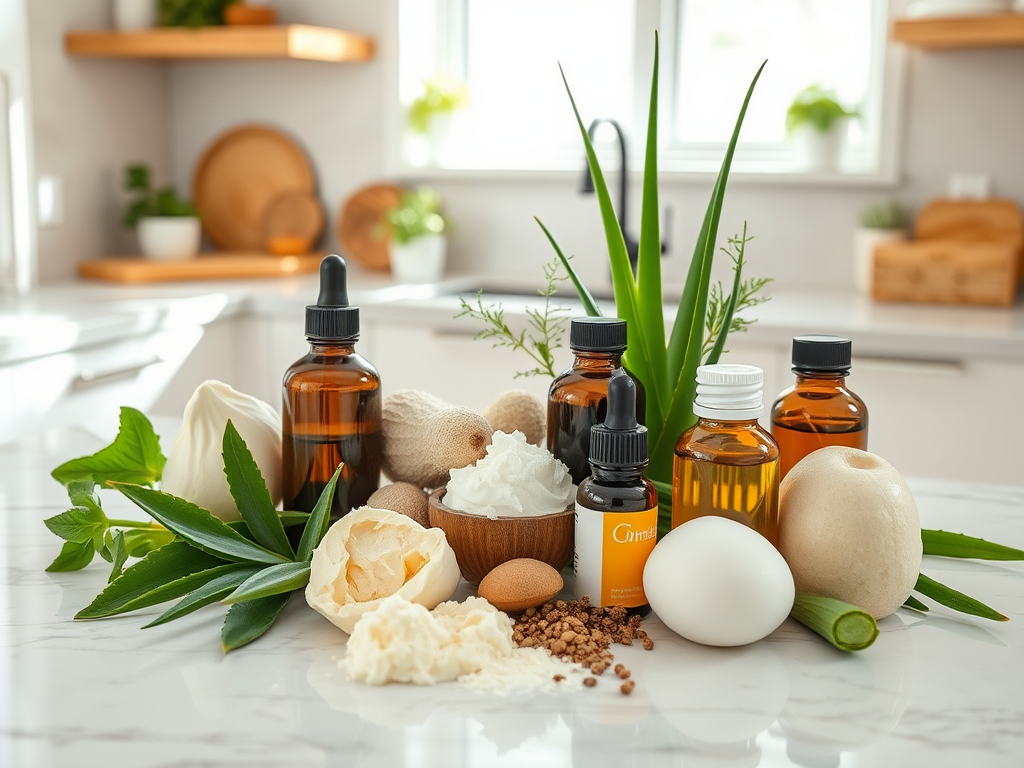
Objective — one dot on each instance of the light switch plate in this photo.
(50, 201)
(969, 186)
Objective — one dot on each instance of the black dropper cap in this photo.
(619, 443)
(331, 318)
(821, 353)
(597, 334)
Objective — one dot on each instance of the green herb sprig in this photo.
(723, 311)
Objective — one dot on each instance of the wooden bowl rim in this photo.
(435, 501)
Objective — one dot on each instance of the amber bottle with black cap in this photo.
(577, 399)
(332, 404)
(818, 410)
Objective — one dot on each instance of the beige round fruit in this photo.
(403, 498)
(520, 584)
(518, 410)
(849, 529)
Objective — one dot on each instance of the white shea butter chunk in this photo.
(371, 554)
(514, 479)
(403, 642)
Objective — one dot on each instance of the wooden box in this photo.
(964, 252)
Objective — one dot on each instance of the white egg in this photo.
(717, 582)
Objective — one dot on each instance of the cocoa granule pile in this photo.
(581, 633)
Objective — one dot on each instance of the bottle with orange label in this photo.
(616, 508)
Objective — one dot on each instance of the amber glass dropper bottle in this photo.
(332, 403)
(818, 410)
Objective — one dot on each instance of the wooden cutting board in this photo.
(211, 266)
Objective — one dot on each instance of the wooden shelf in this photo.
(294, 41)
(206, 266)
(1001, 30)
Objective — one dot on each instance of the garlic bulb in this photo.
(195, 466)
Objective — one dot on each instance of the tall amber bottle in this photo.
(332, 403)
(577, 399)
(726, 464)
(819, 410)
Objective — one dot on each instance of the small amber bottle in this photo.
(577, 397)
(819, 410)
(332, 405)
(726, 464)
(616, 508)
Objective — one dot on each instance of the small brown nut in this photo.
(627, 687)
(559, 678)
(624, 673)
(648, 644)
(403, 498)
(618, 668)
(590, 682)
(520, 584)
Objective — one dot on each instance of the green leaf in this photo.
(664, 506)
(847, 627)
(946, 544)
(685, 342)
(141, 542)
(958, 601)
(249, 490)
(730, 308)
(589, 305)
(247, 621)
(272, 580)
(319, 520)
(77, 525)
(118, 555)
(915, 604)
(197, 526)
(73, 556)
(211, 592)
(164, 574)
(83, 494)
(133, 457)
(289, 518)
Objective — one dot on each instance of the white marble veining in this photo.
(936, 690)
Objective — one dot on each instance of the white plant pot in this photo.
(134, 14)
(864, 243)
(821, 151)
(439, 130)
(421, 260)
(169, 237)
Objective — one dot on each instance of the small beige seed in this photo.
(520, 584)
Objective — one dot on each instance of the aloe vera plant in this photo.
(666, 366)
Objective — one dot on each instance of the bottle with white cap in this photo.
(726, 464)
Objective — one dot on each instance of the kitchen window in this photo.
(518, 118)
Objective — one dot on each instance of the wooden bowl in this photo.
(482, 544)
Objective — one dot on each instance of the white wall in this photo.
(91, 117)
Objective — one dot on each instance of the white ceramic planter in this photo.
(169, 237)
(821, 151)
(134, 14)
(864, 243)
(421, 260)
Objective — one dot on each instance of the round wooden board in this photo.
(292, 222)
(360, 218)
(237, 178)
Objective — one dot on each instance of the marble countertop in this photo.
(68, 316)
(936, 690)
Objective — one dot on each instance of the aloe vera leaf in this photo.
(958, 601)
(730, 309)
(846, 626)
(650, 309)
(686, 340)
(589, 305)
(664, 506)
(948, 544)
(637, 357)
(915, 604)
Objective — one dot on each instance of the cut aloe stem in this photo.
(947, 544)
(846, 626)
(958, 601)
(915, 604)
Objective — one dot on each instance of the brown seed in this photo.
(627, 687)
(520, 584)
(590, 682)
(648, 644)
(559, 678)
(624, 673)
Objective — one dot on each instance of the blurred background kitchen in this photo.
(869, 114)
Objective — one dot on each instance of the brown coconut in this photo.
(404, 498)
(425, 437)
(518, 410)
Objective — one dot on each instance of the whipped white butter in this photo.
(514, 479)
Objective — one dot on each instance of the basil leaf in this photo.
(273, 580)
(133, 457)
(214, 590)
(118, 555)
(77, 525)
(250, 493)
(319, 520)
(83, 494)
(247, 621)
(164, 574)
(73, 556)
(958, 601)
(946, 544)
(197, 526)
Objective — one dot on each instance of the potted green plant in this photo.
(418, 245)
(167, 225)
(882, 222)
(819, 123)
(192, 13)
(431, 113)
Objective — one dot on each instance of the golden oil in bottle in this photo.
(726, 464)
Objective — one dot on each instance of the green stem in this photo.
(135, 524)
(847, 627)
